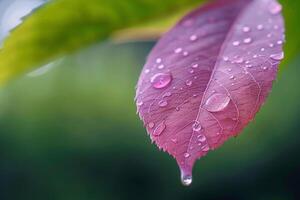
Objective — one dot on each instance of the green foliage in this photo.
(64, 26)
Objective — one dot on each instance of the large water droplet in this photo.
(278, 56)
(159, 129)
(161, 80)
(186, 180)
(217, 102)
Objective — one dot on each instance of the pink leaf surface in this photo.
(206, 78)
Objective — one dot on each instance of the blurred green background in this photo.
(69, 132)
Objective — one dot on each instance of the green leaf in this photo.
(63, 26)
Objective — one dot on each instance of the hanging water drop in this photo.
(186, 180)
(217, 102)
(161, 80)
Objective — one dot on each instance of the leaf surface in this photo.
(206, 78)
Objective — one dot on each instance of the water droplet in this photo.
(140, 103)
(276, 27)
(195, 66)
(197, 126)
(193, 37)
(236, 43)
(247, 40)
(186, 180)
(260, 27)
(189, 82)
(186, 155)
(232, 77)
(160, 66)
(279, 42)
(158, 60)
(225, 58)
(162, 103)
(159, 129)
(229, 69)
(269, 35)
(174, 140)
(177, 109)
(185, 53)
(201, 138)
(167, 94)
(246, 29)
(151, 125)
(238, 60)
(147, 71)
(265, 68)
(271, 45)
(275, 8)
(217, 102)
(278, 56)
(178, 50)
(192, 71)
(205, 148)
(161, 80)
(262, 49)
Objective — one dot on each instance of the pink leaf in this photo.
(206, 79)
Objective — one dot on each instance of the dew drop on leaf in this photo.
(217, 102)
(278, 56)
(161, 80)
(159, 129)
(197, 126)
